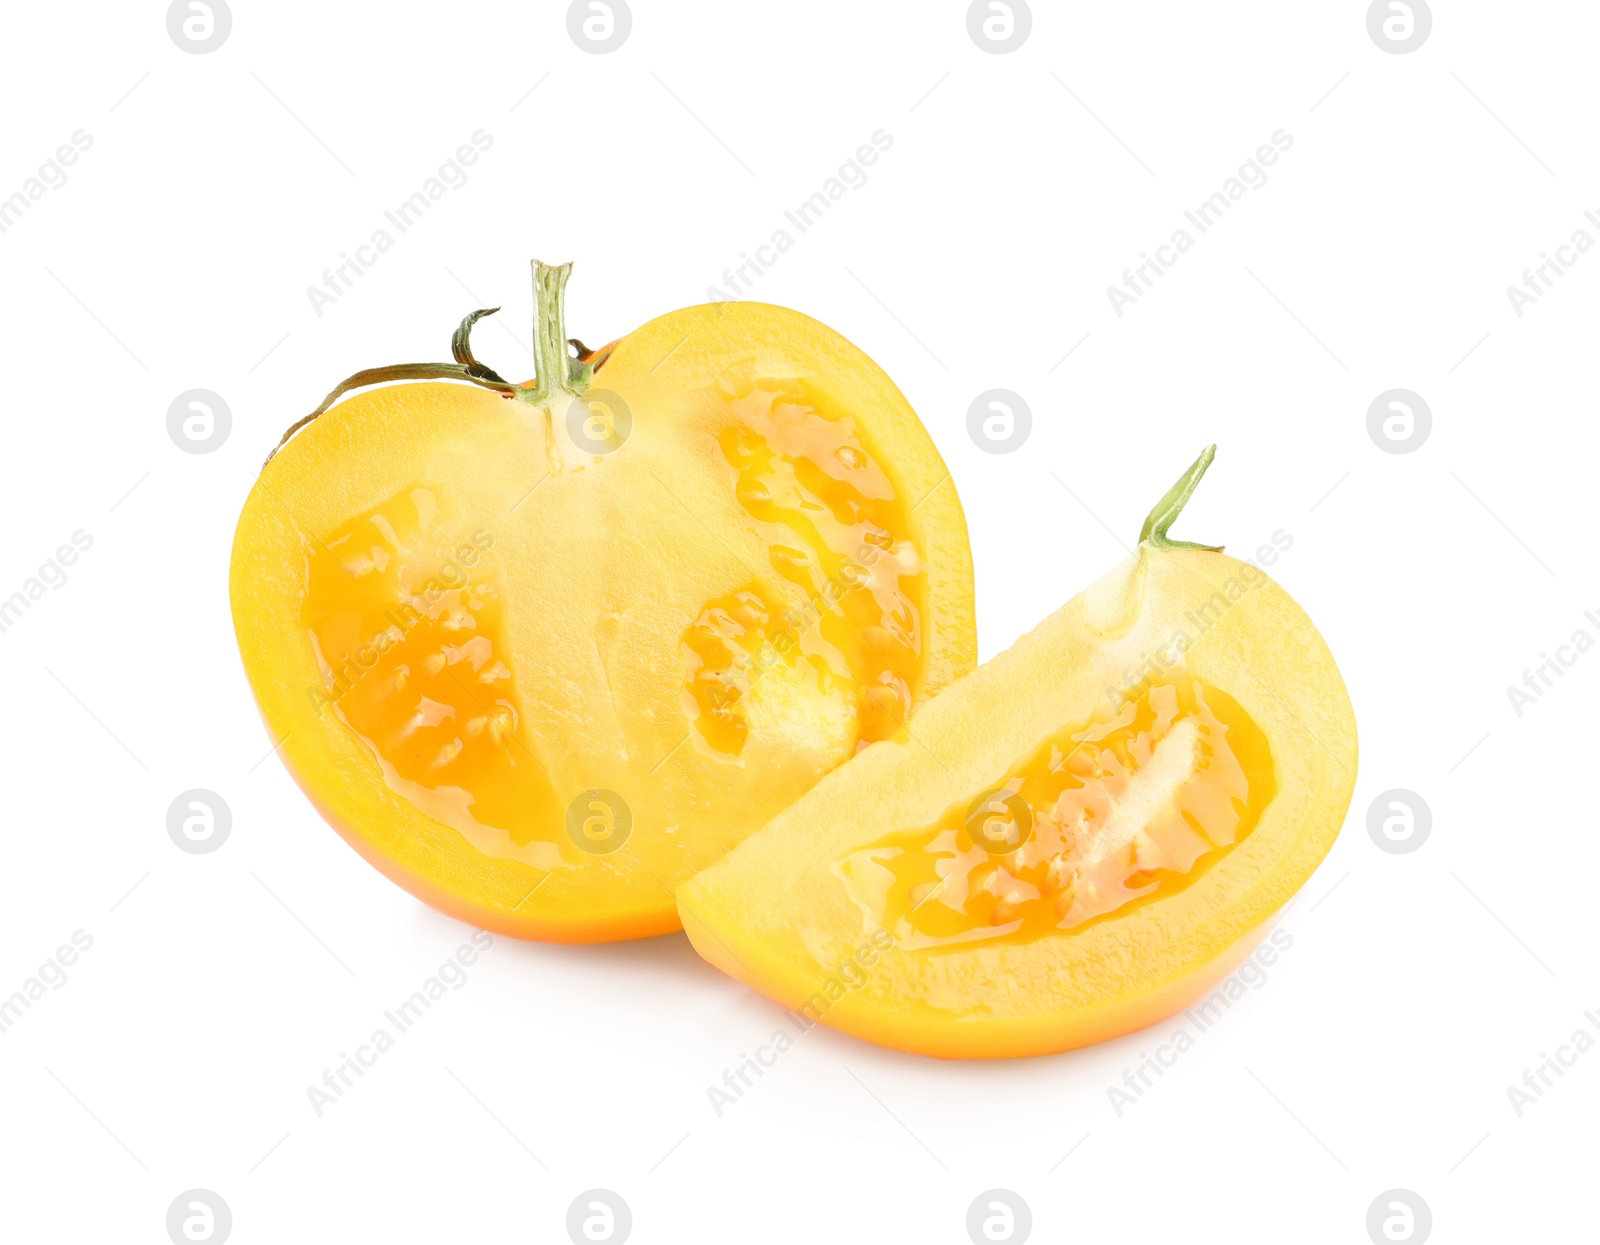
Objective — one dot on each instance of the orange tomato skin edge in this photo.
(603, 927)
(1024, 1037)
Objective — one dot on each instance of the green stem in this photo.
(476, 373)
(461, 348)
(1171, 506)
(558, 371)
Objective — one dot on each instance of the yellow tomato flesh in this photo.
(541, 680)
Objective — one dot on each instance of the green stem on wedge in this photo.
(558, 371)
(1171, 506)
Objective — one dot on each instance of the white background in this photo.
(1018, 187)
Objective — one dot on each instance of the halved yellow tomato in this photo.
(1076, 840)
(540, 651)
